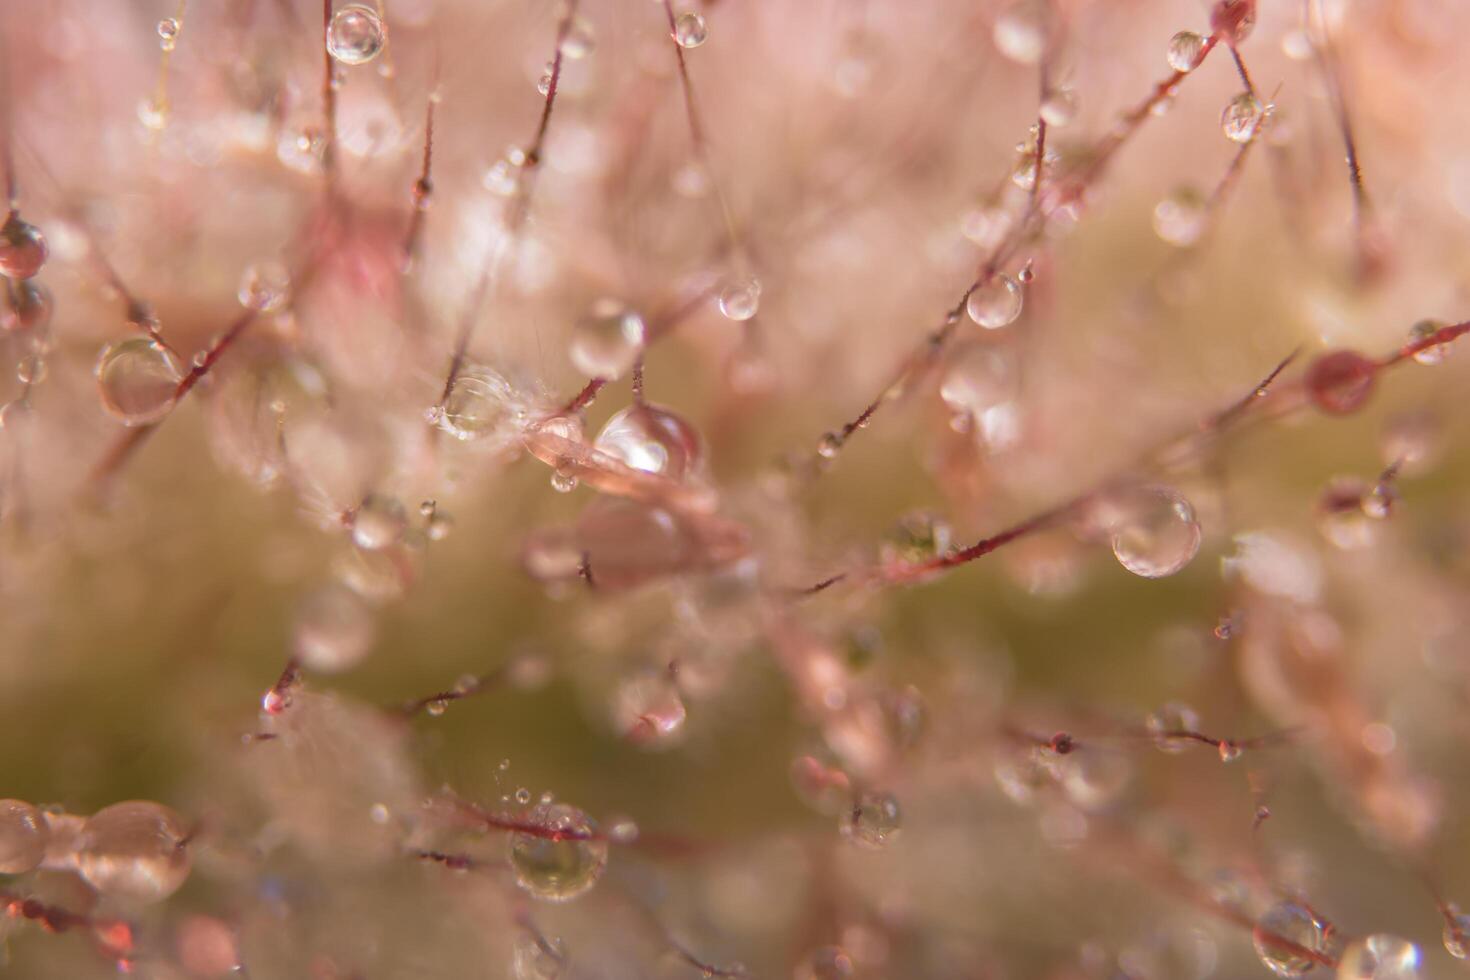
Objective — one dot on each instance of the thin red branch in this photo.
(520, 207)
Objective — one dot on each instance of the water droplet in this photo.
(1241, 118)
(265, 286)
(31, 369)
(873, 820)
(1229, 750)
(1156, 533)
(334, 630)
(523, 796)
(1059, 108)
(1296, 924)
(1168, 724)
(1020, 31)
(741, 298)
(134, 850)
(168, 33)
(1379, 957)
(22, 248)
(23, 837)
(1457, 934)
(275, 701)
(648, 711)
(563, 859)
(1423, 330)
(1093, 778)
(978, 378)
(437, 707)
(30, 305)
(826, 963)
(137, 379)
(580, 39)
(996, 302)
(378, 522)
(543, 84)
(1179, 219)
(504, 176)
(439, 526)
(829, 445)
(607, 341)
(537, 957)
(1341, 381)
(690, 30)
(652, 439)
(563, 481)
(480, 403)
(1185, 51)
(355, 35)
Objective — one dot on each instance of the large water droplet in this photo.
(355, 35)
(563, 858)
(138, 380)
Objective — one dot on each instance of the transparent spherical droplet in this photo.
(1241, 118)
(1020, 31)
(1422, 331)
(829, 445)
(265, 286)
(138, 380)
(919, 535)
(1296, 924)
(826, 963)
(1341, 516)
(134, 850)
(1059, 107)
(607, 341)
(1457, 934)
(996, 302)
(168, 33)
(538, 957)
(647, 709)
(978, 378)
(563, 859)
(1156, 534)
(563, 481)
(1340, 382)
(504, 176)
(1379, 957)
(22, 248)
(480, 403)
(23, 837)
(1185, 50)
(1094, 778)
(1023, 773)
(355, 35)
(741, 299)
(1233, 20)
(334, 630)
(873, 820)
(690, 30)
(29, 305)
(1179, 219)
(1168, 726)
(652, 439)
(580, 39)
(378, 522)
(543, 83)
(31, 369)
